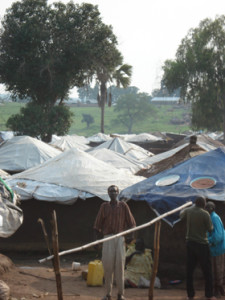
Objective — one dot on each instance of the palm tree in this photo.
(120, 74)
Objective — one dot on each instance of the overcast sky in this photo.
(150, 31)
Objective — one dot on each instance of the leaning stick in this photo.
(118, 234)
(45, 235)
(56, 263)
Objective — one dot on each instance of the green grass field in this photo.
(160, 120)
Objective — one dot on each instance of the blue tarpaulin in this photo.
(165, 198)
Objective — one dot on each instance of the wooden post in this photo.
(156, 259)
(56, 263)
(45, 235)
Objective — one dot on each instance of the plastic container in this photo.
(95, 273)
(75, 266)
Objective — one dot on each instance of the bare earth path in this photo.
(30, 280)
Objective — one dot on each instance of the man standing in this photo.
(198, 223)
(113, 217)
(217, 248)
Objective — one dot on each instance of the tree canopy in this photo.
(116, 72)
(45, 50)
(88, 119)
(133, 108)
(199, 70)
(57, 121)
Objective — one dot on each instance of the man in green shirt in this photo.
(198, 223)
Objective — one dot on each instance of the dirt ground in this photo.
(28, 279)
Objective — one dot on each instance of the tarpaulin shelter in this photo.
(118, 160)
(71, 175)
(201, 175)
(71, 141)
(128, 149)
(61, 184)
(170, 158)
(23, 152)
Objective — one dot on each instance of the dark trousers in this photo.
(199, 253)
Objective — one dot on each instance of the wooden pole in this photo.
(118, 234)
(45, 235)
(56, 263)
(156, 259)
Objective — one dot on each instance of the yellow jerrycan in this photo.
(95, 273)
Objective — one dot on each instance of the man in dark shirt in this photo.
(113, 217)
(198, 224)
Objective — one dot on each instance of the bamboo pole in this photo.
(56, 263)
(156, 259)
(45, 235)
(119, 234)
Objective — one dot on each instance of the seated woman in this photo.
(138, 264)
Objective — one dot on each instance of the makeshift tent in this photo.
(69, 178)
(203, 139)
(99, 138)
(6, 135)
(128, 149)
(71, 175)
(118, 160)
(23, 152)
(70, 141)
(142, 137)
(172, 188)
(169, 159)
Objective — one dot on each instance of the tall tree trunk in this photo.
(103, 102)
(102, 116)
(130, 127)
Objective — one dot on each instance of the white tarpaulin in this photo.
(128, 149)
(118, 160)
(4, 174)
(73, 169)
(71, 141)
(99, 137)
(11, 216)
(142, 137)
(23, 152)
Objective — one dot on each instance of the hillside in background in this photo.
(168, 117)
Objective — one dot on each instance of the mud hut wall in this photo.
(75, 225)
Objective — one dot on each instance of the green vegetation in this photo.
(45, 50)
(58, 121)
(199, 71)
(132, 108)
(158, 121)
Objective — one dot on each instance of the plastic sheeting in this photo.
(69, 141)
(11, 218)
(118, 160)
(23, 152)
(165, 198)
(128, 149)
(73, 169)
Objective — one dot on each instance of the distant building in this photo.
(165, 100)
